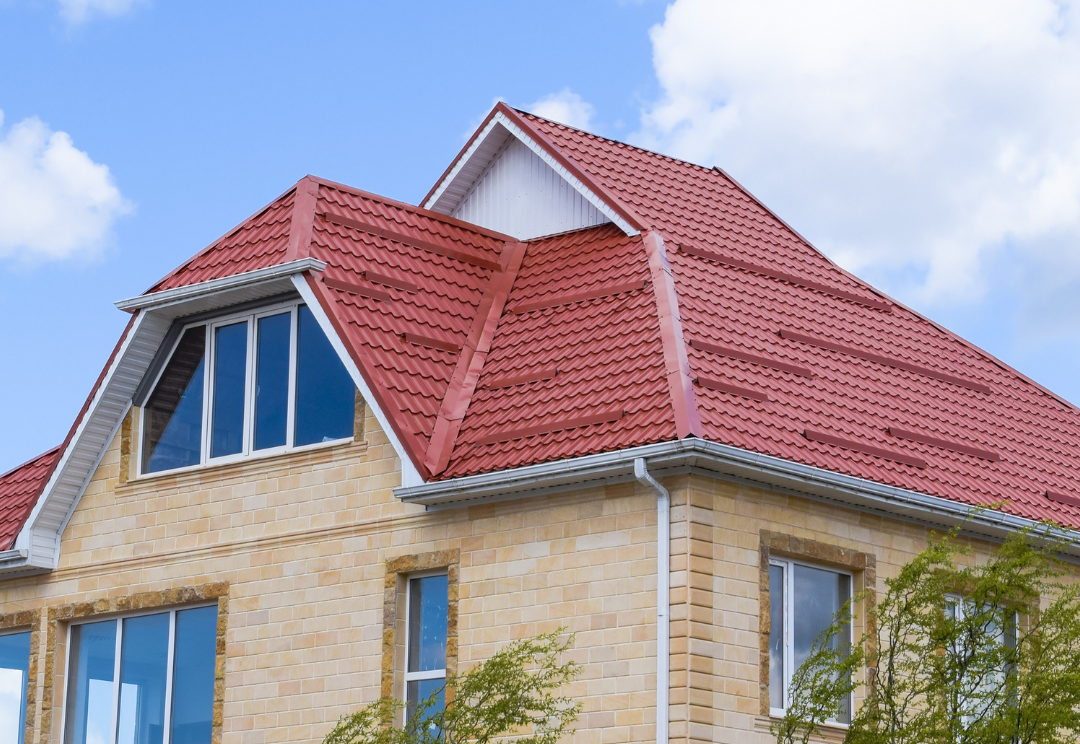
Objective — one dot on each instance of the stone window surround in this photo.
(27, 620)
(397, 574)
(864, 574)
(59, 618)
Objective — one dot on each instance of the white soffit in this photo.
(410, 476)
(475, 163)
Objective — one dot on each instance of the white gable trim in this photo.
(500, 127)
(410, 476)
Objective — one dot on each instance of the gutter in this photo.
(694, 455)
(663, 596)
(166, 297)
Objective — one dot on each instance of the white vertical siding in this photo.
(523, 196)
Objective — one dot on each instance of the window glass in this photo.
(229, 379)
(144, 661)
(811, 598)
(193, 678)
(776, 636)
(272, 380)
(325, 394)
(14, 674)
(172, 417)
(427, 623)
(420, 690)
(90, 684)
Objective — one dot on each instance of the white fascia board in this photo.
(167, 297)
(501, 120)
(410, 476)
(715, 460)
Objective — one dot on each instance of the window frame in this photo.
(29, 684)
(248, 451)
(431, 673)
(789, 624)
(170, 670)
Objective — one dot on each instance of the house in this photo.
(356, 445)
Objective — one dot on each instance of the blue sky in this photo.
(899, 150)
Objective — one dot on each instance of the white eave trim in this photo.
(158, 300)
(500, 119)
(694, 455)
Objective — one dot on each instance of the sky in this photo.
(933, 148)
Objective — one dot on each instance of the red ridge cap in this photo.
(470, 364)
(784, 276)
(966, 449)
(869, 449)
(427, 245)
(676, 363)
(888, 361)
(571, 423)
(794, 369)
(384, 399)
(302, 220)
(593, 294)
(727, 387)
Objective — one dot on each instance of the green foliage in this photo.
(957, 654)
(514, 693)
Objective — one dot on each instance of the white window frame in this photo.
(431, 673)
(788, 564)
(248, 450)
(169, 670)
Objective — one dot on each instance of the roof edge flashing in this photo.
(731, 463)
(168, 297)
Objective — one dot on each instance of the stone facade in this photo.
(304, 553)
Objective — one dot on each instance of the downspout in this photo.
(663, 596)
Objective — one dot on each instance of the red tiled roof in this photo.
(717, 321)
(19, 489)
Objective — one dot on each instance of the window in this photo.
(257, 383)
(146, 679)
(14, 677)
(425, 640)
(804, 600)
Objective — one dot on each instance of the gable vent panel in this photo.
(523, 196)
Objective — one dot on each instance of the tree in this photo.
(513, 692)
(955, 654)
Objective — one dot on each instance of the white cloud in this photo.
(929, 141)
(565, 107)
(55, 202)
(78, 11)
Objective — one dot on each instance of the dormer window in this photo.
(255, 383)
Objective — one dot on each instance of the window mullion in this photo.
(249, 390)
(294, 342)
(789, 630)
(116, 678)
(169, 679)
(208, 392)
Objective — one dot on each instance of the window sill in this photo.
(830, 733)
(226, 467)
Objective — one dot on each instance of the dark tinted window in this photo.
(172, 418)
(230, 378)
(193, 678)
(325, 394)
(272, 380)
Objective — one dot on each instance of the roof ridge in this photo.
(429, 213)
(31, 461)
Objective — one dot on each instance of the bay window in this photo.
(804, 601)
(425, 640)
(14, 677)
(256, 383)
(144, 679)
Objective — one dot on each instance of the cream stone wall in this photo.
(301, 544)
